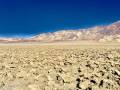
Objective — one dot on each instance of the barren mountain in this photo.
(98, 33)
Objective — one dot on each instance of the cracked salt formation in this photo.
(59, 68)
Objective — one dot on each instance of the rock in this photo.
(33, 87)
(85, 84)
(117, 73)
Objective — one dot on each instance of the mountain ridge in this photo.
(106, 33)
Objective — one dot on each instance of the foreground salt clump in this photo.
(59, 68)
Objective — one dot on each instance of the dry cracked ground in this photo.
(38, 67)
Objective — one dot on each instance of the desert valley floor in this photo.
(60, 67)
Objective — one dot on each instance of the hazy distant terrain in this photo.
(108, 33)
(60, 67)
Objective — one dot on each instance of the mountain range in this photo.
(105, 33)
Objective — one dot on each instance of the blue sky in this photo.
(27, 17)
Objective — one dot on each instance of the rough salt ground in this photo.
(55, 68)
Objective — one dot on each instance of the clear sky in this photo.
(25, 17)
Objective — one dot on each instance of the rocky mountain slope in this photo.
(98, 33)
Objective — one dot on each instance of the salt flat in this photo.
(60, 66)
